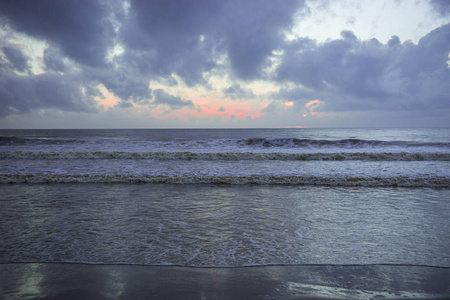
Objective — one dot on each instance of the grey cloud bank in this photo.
(125, 45)
(237, 92)
(350, 74)
(162, 97)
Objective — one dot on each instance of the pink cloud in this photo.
(312, 105)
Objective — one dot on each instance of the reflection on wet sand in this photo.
(79, 281)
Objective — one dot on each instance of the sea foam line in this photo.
(351, 142)
(365, 156)
(400, 181)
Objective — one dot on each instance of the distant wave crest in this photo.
(350, 143)
(9, 140)
(20, 141)
(364, 156)
(242, 143)
(401, 181)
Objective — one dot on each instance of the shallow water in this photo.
(77, 281)
(223, 225)
(368, 207)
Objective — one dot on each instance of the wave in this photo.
(226, 266)
(349, 143)
(249, 142)
(7, 140)
(401, 181)
(364, 156)
(20, 141)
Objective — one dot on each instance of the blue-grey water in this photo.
(226, 198)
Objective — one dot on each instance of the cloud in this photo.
(79, 36)
(87, 46)
(21, 94)
(124, 104)
(312, 104)
(441, 6)
(188, 38)
(221, 109)
(253, 30)
(158, 38)
(165, 37)
(53, 60)
(236, 92)
(350, 74)
(125, 83)
(17, 59)
(161, 97)
(79, 27)
(272, 107)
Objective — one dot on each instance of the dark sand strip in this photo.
(81, 281)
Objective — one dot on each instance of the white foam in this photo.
(365, 156)
(401, 181)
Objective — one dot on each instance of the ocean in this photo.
(226, 198)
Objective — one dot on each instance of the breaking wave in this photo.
(13, 140)
(364, 156)
(8, 140)
(249, 142)
(293, 142)
(401, 181)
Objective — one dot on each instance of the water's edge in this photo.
(70, 281)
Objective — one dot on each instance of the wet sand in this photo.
(83, 281)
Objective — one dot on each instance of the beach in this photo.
(80, 281)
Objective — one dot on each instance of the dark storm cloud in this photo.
(53, 60)
(161, 97)
(159, 38)
(21, 94)
(187, 37)
(237, 92)
(350, 74)
(79, 28)
(190, 39)
(441, 6)
(17, 59)
(77, 34)
(253, 29)
(124, 82)
(164, 37)
(124, 104)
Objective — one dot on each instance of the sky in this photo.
(224, 64)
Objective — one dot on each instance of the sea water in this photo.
(226, 198)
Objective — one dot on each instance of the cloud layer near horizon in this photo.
(124, 47)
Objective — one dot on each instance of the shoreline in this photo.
(87, 281)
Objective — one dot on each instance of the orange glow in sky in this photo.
(204, 107)
(109, 99)
(311, 105)
(210, 111)
(312, 102)
(213, 111)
